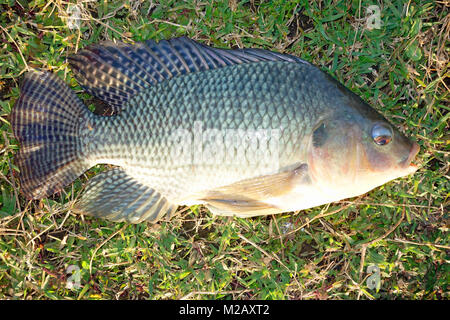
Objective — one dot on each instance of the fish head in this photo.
(356, 151)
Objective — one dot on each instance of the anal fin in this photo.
(116, 196)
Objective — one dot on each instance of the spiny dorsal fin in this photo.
(115, 72)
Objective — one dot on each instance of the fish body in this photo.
(230, 103)
(244, 132)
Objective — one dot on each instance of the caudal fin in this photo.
(45, 121)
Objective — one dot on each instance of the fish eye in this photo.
(381, 134)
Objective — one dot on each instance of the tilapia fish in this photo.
(244, 132)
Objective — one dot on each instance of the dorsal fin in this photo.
(115, 72)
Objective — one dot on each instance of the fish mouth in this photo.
(406, 164)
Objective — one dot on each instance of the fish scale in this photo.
(192, 124)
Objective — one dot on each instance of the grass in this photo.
(400, 68)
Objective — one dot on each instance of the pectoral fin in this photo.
(252, 197)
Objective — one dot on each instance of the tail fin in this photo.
(45, 121)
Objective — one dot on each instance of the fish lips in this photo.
(406, 164)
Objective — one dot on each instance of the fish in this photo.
(245, 132)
